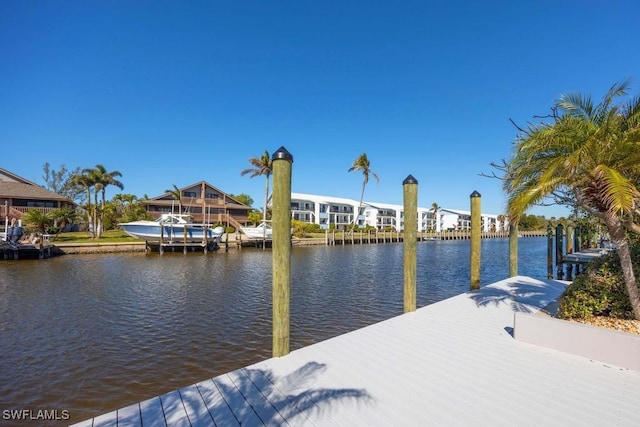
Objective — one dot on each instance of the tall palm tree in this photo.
(86, 180)
(262, 166)
(105, 179)
(592, 152)
(177, 195)
(362, 164)
(82, 182)
(436, 209)
(101, 179)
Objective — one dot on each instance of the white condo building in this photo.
(328, 210)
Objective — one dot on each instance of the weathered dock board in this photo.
(451, 363)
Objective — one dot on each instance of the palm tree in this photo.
(100, 179)
(591, 152)
(85, 180)
(436, 209)
(62, 217)
(177, 195)
(38, 220)
(501, 219)
(362, 164)
(104, 179)
(261, 166)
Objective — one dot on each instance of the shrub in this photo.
(600, 291)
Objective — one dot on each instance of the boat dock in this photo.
(455, 362)
(39, 249)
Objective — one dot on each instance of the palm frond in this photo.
(576, 104)
(617, 192)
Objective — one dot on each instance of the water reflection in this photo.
(92, 333)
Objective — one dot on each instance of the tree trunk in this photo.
(619, 238)
(266, 200)
(357, 214)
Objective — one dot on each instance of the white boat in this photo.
(172, 228)
(259, 232)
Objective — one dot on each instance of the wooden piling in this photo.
(559, 249)
(410, 193)
(570, 236)
(513, 250)
(549, 252)
(476, 234)
(281, 249)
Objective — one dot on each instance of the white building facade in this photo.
(337, 212)
(324, 210)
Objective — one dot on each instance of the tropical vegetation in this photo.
(587, 156)
(94, 181)
(362, 164)
(177, 195)
(262, 166)
(600, 290)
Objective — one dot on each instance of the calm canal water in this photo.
(93, 333)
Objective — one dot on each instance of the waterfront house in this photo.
(204, 202)
(19, 195)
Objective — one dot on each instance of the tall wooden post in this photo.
(569, 251)
(410, 195)
(559, 250)
(549, 251)
(476, 223)
(513, 250)
(281, 249)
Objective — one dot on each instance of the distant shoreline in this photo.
(356, 239)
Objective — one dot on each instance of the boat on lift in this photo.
(172, 228)
(262, 231)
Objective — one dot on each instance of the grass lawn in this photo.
(109, 236)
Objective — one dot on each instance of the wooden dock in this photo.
(25, 251)
(332, 238)
(183, 247)
(450, 363)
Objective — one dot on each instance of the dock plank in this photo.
(241, 408)
(195, 406)
(216, 404)
(151, 413)
(281, 403)
(106, 420)
(262, 406)
(129, 416)
(175, 414)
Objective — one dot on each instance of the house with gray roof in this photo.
(19, 195)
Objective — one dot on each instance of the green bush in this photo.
(301, 228)
(600, 291)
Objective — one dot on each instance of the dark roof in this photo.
(13, 177)
(18, 190)
(165, 196)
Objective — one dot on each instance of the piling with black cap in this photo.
(476, 230)
(410, 196)
(281, 249)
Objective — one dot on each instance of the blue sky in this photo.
(171, 92)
